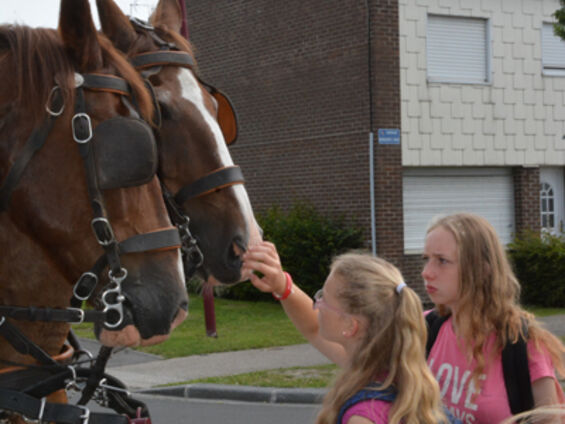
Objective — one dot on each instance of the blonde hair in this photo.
(393, 344)
(489, 293)
(538, 415)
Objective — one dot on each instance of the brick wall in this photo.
(527, 199)
(297, 73)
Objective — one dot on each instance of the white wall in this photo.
(516, 119)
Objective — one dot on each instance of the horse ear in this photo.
(115, 25)
(77, 30)
(168, 14)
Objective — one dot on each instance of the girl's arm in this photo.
(298, 305)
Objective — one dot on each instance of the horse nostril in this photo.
(237, 248)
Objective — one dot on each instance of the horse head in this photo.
(94, 172)
(196, 121)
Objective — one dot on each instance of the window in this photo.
(547, 207)
(553, 51)
(458, 50)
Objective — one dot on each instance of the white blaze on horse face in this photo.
(192, 92)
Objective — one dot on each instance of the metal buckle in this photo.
(103, 385)
(80, 313)
(86, 416)
(79, 80)
(72, 384)
(50, 101)
(39, 418)
(85, 275)
(106, 235)
(86, 125)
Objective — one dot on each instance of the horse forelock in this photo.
(39, 62)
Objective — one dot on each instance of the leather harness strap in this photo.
(34, 143)
(43, 411)
(162, 58)
(221, 178)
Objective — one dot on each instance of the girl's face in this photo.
(331, 316)
(441, 268)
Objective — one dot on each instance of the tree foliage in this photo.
(559, 26)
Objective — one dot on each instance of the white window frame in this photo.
(488, 53)
(547, 194)
(550, 67)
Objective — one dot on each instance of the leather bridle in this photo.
(30, 401)
(170, 55)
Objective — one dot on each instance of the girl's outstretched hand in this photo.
(263, 258)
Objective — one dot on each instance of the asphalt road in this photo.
(173, 410)
(167, 410)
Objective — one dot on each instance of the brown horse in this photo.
(46, 222)
(194, 161)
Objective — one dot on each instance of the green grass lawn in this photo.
(240, 325)
(304, 377)
(544, 312)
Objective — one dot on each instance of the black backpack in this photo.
(514, 366)
(372, 392)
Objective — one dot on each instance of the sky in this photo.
(45, 13)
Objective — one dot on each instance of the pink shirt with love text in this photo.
(489, 402)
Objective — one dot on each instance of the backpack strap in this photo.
(517, 374)
(370, 392)
(434, 321)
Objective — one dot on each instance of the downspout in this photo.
(371, 134)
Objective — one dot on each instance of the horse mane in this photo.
(40, 62)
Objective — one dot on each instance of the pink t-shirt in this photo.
(489, 403)
(374, 410)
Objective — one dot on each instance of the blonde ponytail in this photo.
(393, 345)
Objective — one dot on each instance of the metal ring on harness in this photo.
(49, 102)
(115, 303)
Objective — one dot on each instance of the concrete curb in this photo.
(240, 393)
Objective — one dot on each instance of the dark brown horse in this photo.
(46, 223)
(195, 125)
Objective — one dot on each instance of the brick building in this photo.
(472, 93)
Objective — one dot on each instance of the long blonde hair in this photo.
(489, 294)
(393, 344)
(538, 415)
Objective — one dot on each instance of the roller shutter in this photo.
(429, 192)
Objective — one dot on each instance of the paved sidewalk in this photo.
(144, 375)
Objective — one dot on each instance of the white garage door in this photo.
(429, 192)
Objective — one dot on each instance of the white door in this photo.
(552, 200)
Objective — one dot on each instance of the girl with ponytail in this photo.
(372, 325)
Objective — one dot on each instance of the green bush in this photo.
(539, 264)
(306, 242)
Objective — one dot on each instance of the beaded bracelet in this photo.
(288, 289)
